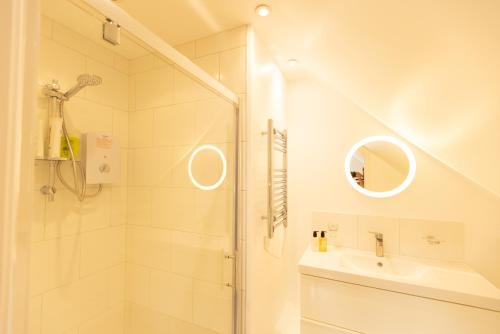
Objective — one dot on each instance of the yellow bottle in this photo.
(323, 244)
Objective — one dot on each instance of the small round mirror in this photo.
(207, 167)
(380, 166)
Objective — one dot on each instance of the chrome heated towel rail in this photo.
(277, 179)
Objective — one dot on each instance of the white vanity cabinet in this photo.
(336, 301)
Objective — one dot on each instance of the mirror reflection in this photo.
(379, 166)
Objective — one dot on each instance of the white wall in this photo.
(323, 125)
(271, 264)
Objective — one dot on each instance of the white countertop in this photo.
(446, 281)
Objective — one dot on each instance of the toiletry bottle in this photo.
(55, 124)
(315, 241)
(323, 245)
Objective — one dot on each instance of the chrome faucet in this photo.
(379, 243)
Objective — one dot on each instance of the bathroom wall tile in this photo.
(66, 307)
(38, 217)
(140, 167)
(173, 209)
(59, 63)
(123, 168)
(121, 127)
(110, 322)
(35, 315)
(116, 284)
(141, 128)
(388, 226)
(138, 283)
(187, 49)
(225, 40)
(233, 69)
(214, 212)
(154, 88)
(143, 320)
(187, 89)
(96, 211)
(209, 64)
(172, 294)
(413, 235)
(102, 249)
(346, 234)
(114, 88)
(46, 26)
(197, 256)
(146, 63)
(162, 168)
(212, 306)
(149, 247)
(175, 125)
(118, 206)
(179, 326)
(180, 177)
(139, 206)
(79, 43)
(81, 116)
(215, 121)
(122, 64)
(62, 216)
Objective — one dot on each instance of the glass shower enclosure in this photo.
(152, 251)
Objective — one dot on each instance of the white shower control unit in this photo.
(100, 158)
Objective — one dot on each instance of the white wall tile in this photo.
(214, 212)
(102, 249)
(233, 69)
(138, 284)
(96, 211)
(215, 121)
(187, 89)
(197, 256)
(121, 127)
(180, 175)
(175, 125)
(389, 227)
(114, 88)
(86, 116)
(35, 315)
(172, 294)
(139, 206)
(154, 88)
(149, 247)
(450, 236)
(187, 49)
(62, 215)
(46, 26)
(122, 64)
(146, 63)
(212, 306)
(110, 322)
(346, 234)
(116, 284)
(225, 40)
(141, 128)
(142, 320)
(118, 206)
(141, 163)
(173, 209)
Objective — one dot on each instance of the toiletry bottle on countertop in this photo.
(323, 244)
(315, 241)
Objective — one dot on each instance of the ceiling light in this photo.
(292, 62)
(263, 10)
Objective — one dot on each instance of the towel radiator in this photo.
(277, 179)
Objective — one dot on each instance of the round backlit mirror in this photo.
(207, 167)
(380, 166)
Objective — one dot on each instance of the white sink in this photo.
(442, 280)
(382, 266)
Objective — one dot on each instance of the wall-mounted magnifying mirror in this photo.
(207, 167)
(380, 166)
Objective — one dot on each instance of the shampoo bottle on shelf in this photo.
(315, 241)
(55, 124)
(323, 244)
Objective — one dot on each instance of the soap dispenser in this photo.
(323, 244)
(315, 241)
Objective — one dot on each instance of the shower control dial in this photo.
(104, 168)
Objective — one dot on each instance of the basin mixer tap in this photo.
(379, 243)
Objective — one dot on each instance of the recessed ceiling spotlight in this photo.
(263, 10)
(292, 62)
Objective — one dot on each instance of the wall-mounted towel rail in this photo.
(277, 179)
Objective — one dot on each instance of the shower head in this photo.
(83, 80)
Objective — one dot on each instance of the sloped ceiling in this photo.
(430, 70)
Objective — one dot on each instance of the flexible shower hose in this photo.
(79, 190)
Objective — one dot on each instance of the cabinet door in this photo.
(313, 327)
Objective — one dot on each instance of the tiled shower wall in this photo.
(78, 249)
(173, 243)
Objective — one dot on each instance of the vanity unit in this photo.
(352, 291)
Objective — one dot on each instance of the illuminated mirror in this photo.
(207, 167)
(380, 166)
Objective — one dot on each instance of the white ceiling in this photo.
(428, 69)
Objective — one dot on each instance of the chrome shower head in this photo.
(83, 80)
